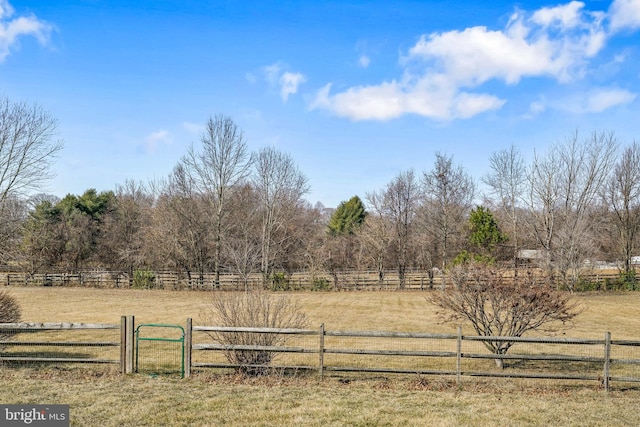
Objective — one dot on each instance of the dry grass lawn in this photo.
(110, 399)
(388, 311)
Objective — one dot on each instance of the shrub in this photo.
(629, 280)
(585, 285)
(144, 279)
(466, 258)
(320, 284)
(279, 282)
(255, 309)
(496, 306)
(9, 313)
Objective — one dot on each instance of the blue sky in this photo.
(354, 91)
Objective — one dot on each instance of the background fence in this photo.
(600, 279)
(602, 361)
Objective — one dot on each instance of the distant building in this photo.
(529, 256)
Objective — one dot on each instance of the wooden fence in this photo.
(174, 280)
(346, 280)
(603, 360)
(58, 343)
(455, 355)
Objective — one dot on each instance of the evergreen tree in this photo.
(485, 233)
(348, 217)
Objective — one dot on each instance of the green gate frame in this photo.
(161, 325)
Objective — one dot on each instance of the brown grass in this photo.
(389, 311)
(109, 399)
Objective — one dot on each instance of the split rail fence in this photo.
(347, 280)
(61, 343)
(603, 360)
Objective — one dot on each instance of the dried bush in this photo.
(254, 309)
(496, 306)
(9, 313)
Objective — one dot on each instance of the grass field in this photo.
(109, 399)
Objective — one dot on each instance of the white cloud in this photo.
(381, 102)
(156, 138)
(470, 104)
(535, 108)
(603, 99)
(595, 101)
(624, 15)
(391, 100)
(11, 29)
(442, 71)
(526, 47)
(6, 10)
(364, 61)
(272, 73)
(566, 16)
(289, 83)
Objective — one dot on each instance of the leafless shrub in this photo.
(254, 309)
(9, 313)
(496, 306)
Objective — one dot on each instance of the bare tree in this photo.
(27, 149)
(496, 306)
(543, 197)
(242, 244)
(12, 222)
(44, 236)
(448, 193)
(125, 229)
(399, 204)
(563, 186)
(622, 194)
(507, 184)
(182, 229)
(280, 186)
(302, 222)
(376, 233)
(222, 163)
(317, 245)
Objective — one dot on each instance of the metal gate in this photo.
(160, 349)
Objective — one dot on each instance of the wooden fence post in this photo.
(321, 352)
(123, 344)
(459, 356)
(188, 341)
(607, 359)
(129, 345)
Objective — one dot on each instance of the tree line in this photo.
(226, 209)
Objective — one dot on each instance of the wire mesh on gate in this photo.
(160, 349)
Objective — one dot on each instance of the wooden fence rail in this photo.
(345, 280)
(26, 329)
(592, 367)
(604, 360)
